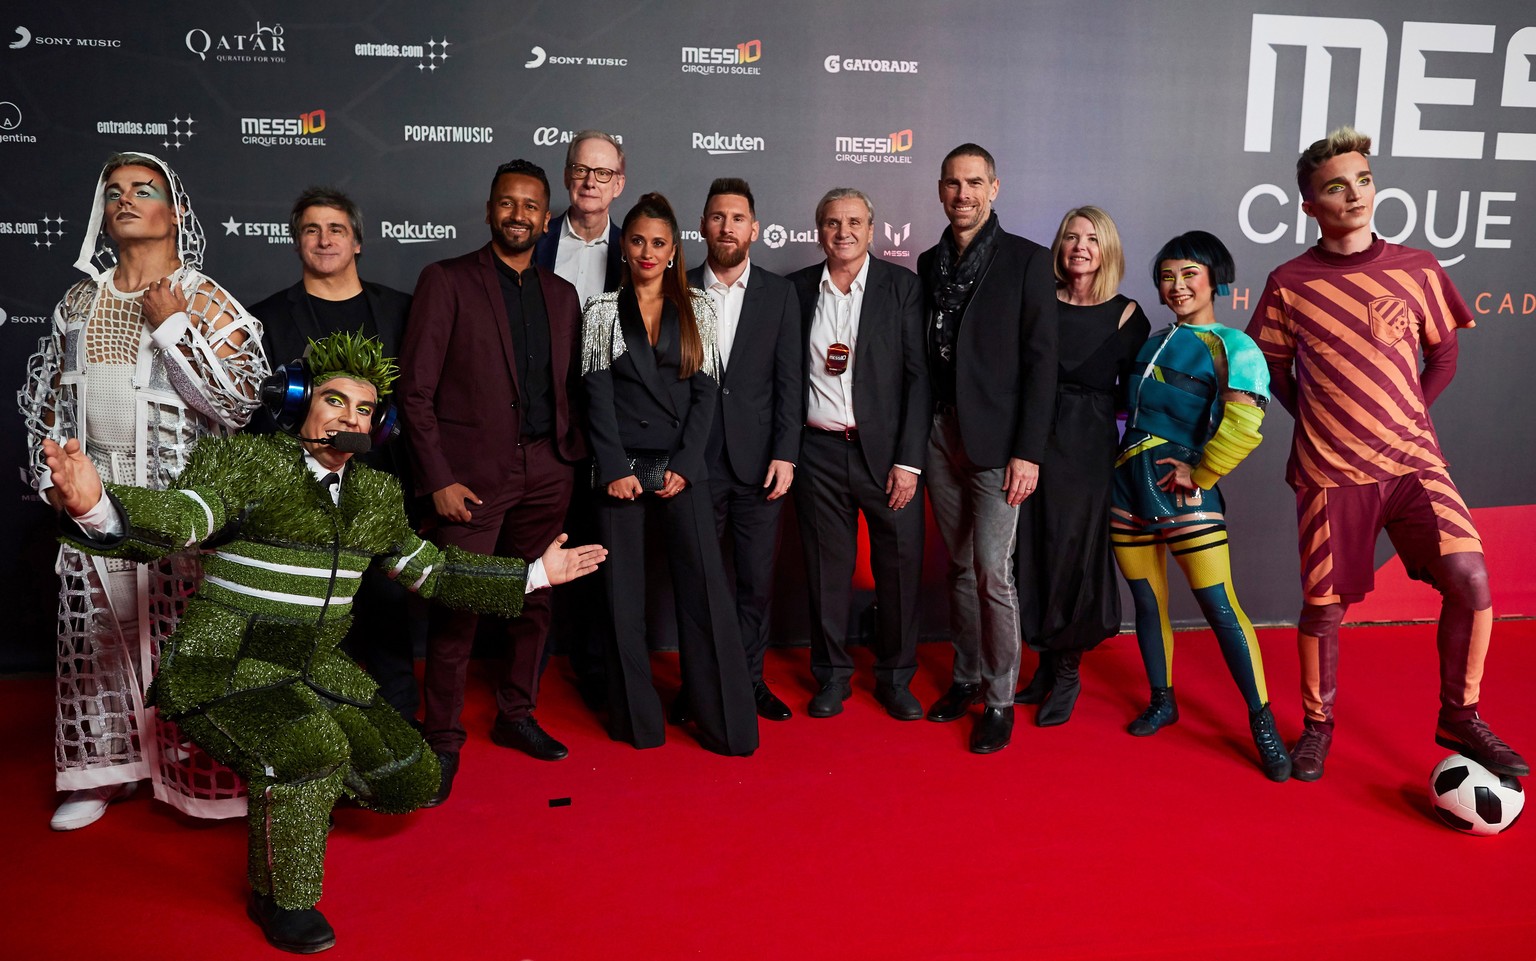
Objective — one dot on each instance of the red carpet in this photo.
(856, 837)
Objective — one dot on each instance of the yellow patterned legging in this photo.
(1202, 554)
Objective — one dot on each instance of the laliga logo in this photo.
(775, 236)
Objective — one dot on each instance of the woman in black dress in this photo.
(1069, 600)
(651, 368)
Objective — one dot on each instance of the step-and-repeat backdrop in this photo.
(1170, 115)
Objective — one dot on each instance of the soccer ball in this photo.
(1471, 798)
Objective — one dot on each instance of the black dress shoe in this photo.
(769, 707)
(524, 734)
(299, 930)
(449, 763)
(898, 702)
(993, 731)
(829, 700)
(952, 706)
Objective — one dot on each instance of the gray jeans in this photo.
(980, 530)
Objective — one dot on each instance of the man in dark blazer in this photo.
(330, 297)
(489, 395)
(582, 244)
(990, 301)
(863, 449)
(755, 440)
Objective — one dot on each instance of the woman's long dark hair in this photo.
(674, 283)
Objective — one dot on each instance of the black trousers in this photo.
(752, 521)
(832, 487)
(713, 666)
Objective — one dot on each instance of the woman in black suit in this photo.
(651, 370)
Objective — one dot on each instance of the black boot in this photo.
(1039, 686)
(1163, 710)
(1065, 688)
(300, 930)
(1272, 756)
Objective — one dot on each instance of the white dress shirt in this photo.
(581, 261)
(836, 321)
(728, 301)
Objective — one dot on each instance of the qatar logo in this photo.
(259, 46)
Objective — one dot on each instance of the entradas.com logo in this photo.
(893, 148)
(727, 143)
(301, 131)
(724, 60)
(837, 64)
(410, 233)
(173, 133)
(262, 45)
(428, 56)
(39, 233)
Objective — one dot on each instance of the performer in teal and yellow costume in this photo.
(1195, 402)
(253, 673)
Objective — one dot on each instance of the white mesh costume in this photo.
(138, 403)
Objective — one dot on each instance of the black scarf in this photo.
(952, 282)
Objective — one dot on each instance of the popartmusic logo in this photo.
(893, 148)
(724, 60)
(300, 131)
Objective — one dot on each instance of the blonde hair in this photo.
(1106, 283)
(1344, 140)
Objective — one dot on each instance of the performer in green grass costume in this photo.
(253, 673)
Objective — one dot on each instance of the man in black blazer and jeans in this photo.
(755, 440)
(990, 302)
(327, 230)
(865, 441)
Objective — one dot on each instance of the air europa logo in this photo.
(299, 131)
(724, 60)
(891, 148)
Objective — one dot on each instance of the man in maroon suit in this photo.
(490, 370)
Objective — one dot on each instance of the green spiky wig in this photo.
(353, 355)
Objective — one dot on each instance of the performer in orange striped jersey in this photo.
(1343, 326)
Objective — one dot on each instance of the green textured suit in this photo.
(254, 673)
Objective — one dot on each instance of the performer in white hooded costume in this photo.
(145, 356)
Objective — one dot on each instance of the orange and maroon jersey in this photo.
(1343, 334)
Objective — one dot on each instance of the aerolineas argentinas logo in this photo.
(893, 148)
(724, 60)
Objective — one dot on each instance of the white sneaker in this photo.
(88, 805)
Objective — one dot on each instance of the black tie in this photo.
(330, 482)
